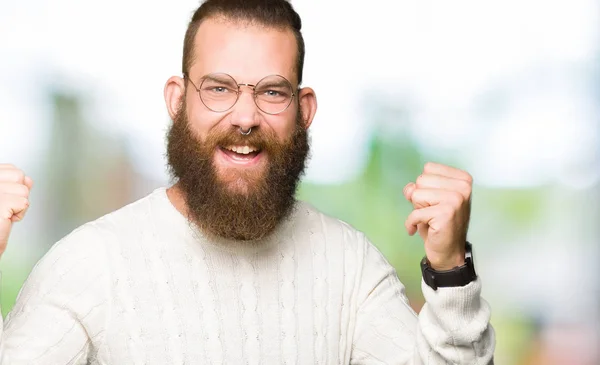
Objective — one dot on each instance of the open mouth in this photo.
(241, 154)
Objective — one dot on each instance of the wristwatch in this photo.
(458, 276)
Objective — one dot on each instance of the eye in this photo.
(219, 89)
(273, 93)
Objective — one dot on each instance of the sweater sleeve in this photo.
(452, 328)
(60, 311)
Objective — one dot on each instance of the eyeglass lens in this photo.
(219, 92)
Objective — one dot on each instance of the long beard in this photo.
(236, 204)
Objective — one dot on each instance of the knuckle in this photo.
(416, 194)
(18, 176)
(464, 187)
(463, 184)
(449, 211)
(23, 190)
(413, 215)
(24, 203)
(456, 198)
(468, 193)
(468, 178)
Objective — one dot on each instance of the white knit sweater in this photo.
(140, 286)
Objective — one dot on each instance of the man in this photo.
(225, 266)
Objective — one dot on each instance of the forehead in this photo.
(247, 52)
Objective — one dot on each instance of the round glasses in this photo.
(219, 92)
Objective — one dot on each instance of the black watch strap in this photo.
(458, 276)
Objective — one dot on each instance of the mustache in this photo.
(259, 138)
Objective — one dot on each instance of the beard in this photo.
(236, 203)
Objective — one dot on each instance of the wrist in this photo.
(457, 275)
(447, 262)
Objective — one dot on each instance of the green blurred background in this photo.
(508, 91)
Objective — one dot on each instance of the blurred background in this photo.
(507, 90)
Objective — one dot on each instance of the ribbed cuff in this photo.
(456, 308)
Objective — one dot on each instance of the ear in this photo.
(174, 91)
(308, 105)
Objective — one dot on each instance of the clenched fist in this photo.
(14, 199)
(441, 198)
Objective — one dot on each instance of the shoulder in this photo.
(363, 261)
(329, 226)
(130, 218)
(87, 244)
(335, 231)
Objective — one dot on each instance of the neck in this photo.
(177, 199)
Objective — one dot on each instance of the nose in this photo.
(245, 114)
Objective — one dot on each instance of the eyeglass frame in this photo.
(186, 76)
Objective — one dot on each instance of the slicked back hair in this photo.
(277, 14)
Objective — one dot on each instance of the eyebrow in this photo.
(224, 79)
(278, 83)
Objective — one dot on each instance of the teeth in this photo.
(241, 149)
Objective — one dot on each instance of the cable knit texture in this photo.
(142, 286)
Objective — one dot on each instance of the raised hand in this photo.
(14, 199)
(441, 198)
